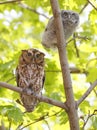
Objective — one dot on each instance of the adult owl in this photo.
(70, 20)
(30, 76)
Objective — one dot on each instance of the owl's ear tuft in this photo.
(42, 54)
(23, 50)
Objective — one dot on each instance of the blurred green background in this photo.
(21, 27)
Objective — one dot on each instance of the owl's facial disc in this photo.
(39, 58)
(27, 56)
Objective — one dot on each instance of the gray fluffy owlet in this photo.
(70, 20)
(30, 76)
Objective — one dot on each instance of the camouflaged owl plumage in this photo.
(70, 20)
(30, 76)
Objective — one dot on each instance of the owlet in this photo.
(70, 20)
(30, 76)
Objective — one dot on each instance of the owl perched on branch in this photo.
(30, 76)
(70, 20)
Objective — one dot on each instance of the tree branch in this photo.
(73, 70)
(72, 112)
(92, 5)
(87, 93)
(40, 98)
(31, 9)
(10, 1)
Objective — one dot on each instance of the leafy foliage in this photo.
(22, 28)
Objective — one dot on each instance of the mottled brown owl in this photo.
(30, 76)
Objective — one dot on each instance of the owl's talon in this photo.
(33, 94)
(27, 91)
(19, 102)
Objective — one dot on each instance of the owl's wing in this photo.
(43, 80)
(17, 76)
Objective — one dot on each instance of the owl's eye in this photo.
(73, 14)
(29, 54)
(65, 14)
(38, 55)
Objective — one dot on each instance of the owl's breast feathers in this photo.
(30, 74)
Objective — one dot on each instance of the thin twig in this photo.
(87, 93)
(39, 97)
(77, 52)
(89, 116)
(10, 1)
(83, 7)
(95, 92)
(47, 123)
(31, 9)
(82, 37)
(10, 123)
(20, 125)
(46, 116)
(78, 37)
(2, 125)
(10, 79)
(40, 119)
(92, 4)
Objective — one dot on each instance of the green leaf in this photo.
(92, 76)
(13, 113)
(94, 121)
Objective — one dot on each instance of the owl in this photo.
(70, 20)
(30, 76)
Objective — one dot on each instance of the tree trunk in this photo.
(71, 105)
